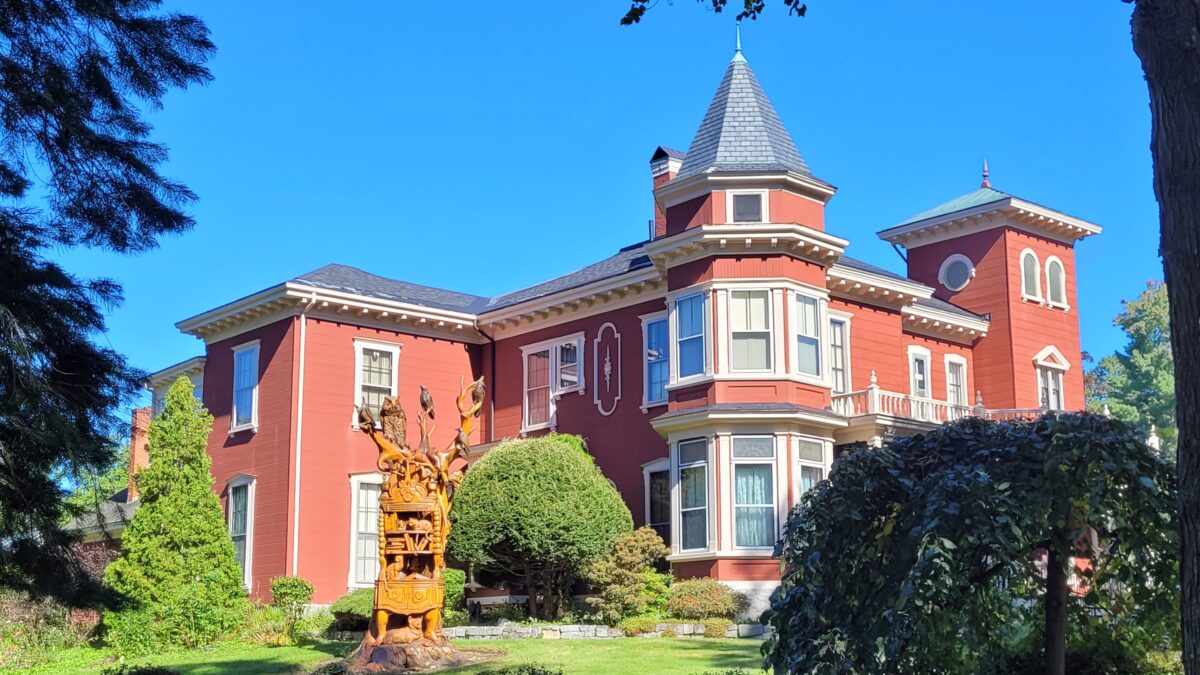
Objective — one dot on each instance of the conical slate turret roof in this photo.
(741, 130)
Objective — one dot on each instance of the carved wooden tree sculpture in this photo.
(414, 526)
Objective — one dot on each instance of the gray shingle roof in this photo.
(626, 260)
(855, 263)
(671, 153)
(353, 280)
(741, 131)
(934, 303)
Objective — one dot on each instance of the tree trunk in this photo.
(1056, 612)
(531, 606)
(1166, 37)
(548, 594)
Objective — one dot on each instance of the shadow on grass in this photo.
(723, 653)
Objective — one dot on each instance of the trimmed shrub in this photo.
(625, 577)
(539, 508)
(353, 610)
(704, 598)
(290, 595)
(177, 565)
(639, 625)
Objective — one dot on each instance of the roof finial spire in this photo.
(986, 183)
(737, 51)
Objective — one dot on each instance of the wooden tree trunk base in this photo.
(422, 655)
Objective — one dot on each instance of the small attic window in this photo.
(956, 272)
(748, 207)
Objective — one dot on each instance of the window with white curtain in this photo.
(658, 354)
(1030, 283)
(750, 325)
(811, 457)
(839, 355)
(753, 491)
(808, 335)
(1056, 288)
(693, 495)
(365, 568)
(689, 335)
(245, 387)
(1050, 387)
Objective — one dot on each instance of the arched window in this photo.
(1056, 287)
(1030, 282)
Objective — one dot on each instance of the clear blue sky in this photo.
(488, 146)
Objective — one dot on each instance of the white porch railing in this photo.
(876, 401)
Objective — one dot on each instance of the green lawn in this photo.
(620, 656)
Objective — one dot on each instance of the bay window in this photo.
(693, 495)
(808, 335)
(552, 368)
(753, 491)
(750, 324)
(690, 335)
(811, 457)
(657, 350)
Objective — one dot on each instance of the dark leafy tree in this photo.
(538, 510)
(77, 168)
(1166, 38)
(921, 556)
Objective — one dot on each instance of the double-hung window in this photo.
(839, 355)
(811, 458)
(375, 374)
(753, 491)
(956, 381)
(689, 335)
(245, 387)
(658, 517)
(1050, 383)
(364, 564)
(239, 510)
(750, 324)
(693, 495)
(551, 369)
(808, 335)
(657, 345)
(918, 372)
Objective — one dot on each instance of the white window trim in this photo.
(359, 345)
(677, 496)
(952, 359)
(1051, 371)
(239, 481)
(1062, 287)
(956, 257)
(1036, 296)
(705, 337)
(253, 424)
(555, 391)
(656, 466)
(821, 378)
(729, 330)
(647, 319)
(919, 352)
(1051, 357)
(733, 505)
(845, 318)
(824, 465)
(766, 205)
(357, 480)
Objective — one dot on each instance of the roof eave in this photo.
(1016, 212)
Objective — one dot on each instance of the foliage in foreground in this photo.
(918, 557)
(625, 578)
(177, 566)
(77, 169)
(538, 509)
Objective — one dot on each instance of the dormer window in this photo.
(747, 206)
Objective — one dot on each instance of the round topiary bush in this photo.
(538, 508)
(703, 599)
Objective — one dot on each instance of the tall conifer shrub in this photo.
(177, 568)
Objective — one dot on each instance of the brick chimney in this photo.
(138, 436)
(664, 164)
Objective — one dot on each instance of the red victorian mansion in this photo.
(714, 369)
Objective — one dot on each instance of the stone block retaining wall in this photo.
(515, 631)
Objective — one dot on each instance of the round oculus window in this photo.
(956, 272)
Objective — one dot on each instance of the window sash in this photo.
(659, 516)
(567, 366)
(366, 534)
(1029, 276)
(245, 382)
(657, 360)
(376, 373)
(1050, 383)
(838, 356)
(693, 507)
(690, 331)
(919, 365)
(808, 335)
(1054, 278)
(239, 496)
(754, 504)
(750, 330)
(955, 383)
(748, 208)
(537, 387)
(810, 475)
